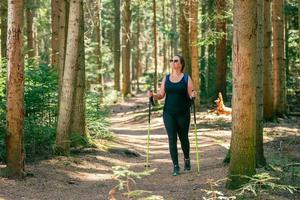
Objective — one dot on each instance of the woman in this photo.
(178, 89)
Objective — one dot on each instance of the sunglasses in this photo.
(174, 61)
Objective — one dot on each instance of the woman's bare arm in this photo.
(191, 91)
(161, 94)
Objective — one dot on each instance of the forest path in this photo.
(130, 123)
(88, 175)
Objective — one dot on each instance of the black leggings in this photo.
(178, 124)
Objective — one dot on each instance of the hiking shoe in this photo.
(187, 164)
(176, 170)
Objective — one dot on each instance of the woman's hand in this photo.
(193, 94)
(149, 93)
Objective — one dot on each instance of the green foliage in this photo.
(78, 140)
(212, 193)
(2, 108)
(96, 116)
(125, 178)
(40, 100)
(40, 109)
(263, 182)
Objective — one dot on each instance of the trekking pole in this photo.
(196, 137)
(151, 102)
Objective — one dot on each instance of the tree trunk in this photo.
(32, 51)
(126, 47)
(15, 91)
(278, 58)
(78, 116)
(155, 44)
(260, 159)
(138, 58)
(268, 77)
(69, 80)
(221, 49)
(203, 61)
(242, 161)
(194, 49)
(286, 43)
(184, 34)
(211, 64)
(98, 11)
(62, 35)
(174, 37)
(165, 62)
(3, 27)
(117, 47)
(55, 30)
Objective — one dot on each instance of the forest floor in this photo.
(88, 173)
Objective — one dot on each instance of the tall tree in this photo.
(155, 44)
(203, 59)
(55, 38)
(138, 55)
(193, 36)
(174, 37)
(278, 58)
(78, 116)
(184, 33)
(221, 48)
(15, 90)
(3, 27)
(211, 65)
(268, 69)
(165, 62)
(98, 10)
(62, 35)
(69, 80)
(242, 160)
(126, 13)
(298, 22)
(260, 159)
(31, 40)
(117, 47)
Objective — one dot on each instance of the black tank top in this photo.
(177, 99)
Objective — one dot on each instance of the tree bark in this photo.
(15, 91)
(117, 47)
(3, 27)
(55, 35)
(31, 40)
(203, 60)
(278, 58)
(211, 63)
(138, 58)
(62, 35)
(268, 69)
(242, 161)
(165, 62)
(260, 159)
(78, 116)
(98, 11)
(126, 37)
(193, 35)
(174, 38)
(155, 44)
(221, 49)
(184, 34)
(69, 80)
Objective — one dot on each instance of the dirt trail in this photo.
(87, 175)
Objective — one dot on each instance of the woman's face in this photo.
(175, 63)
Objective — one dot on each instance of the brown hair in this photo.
(182, 62)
